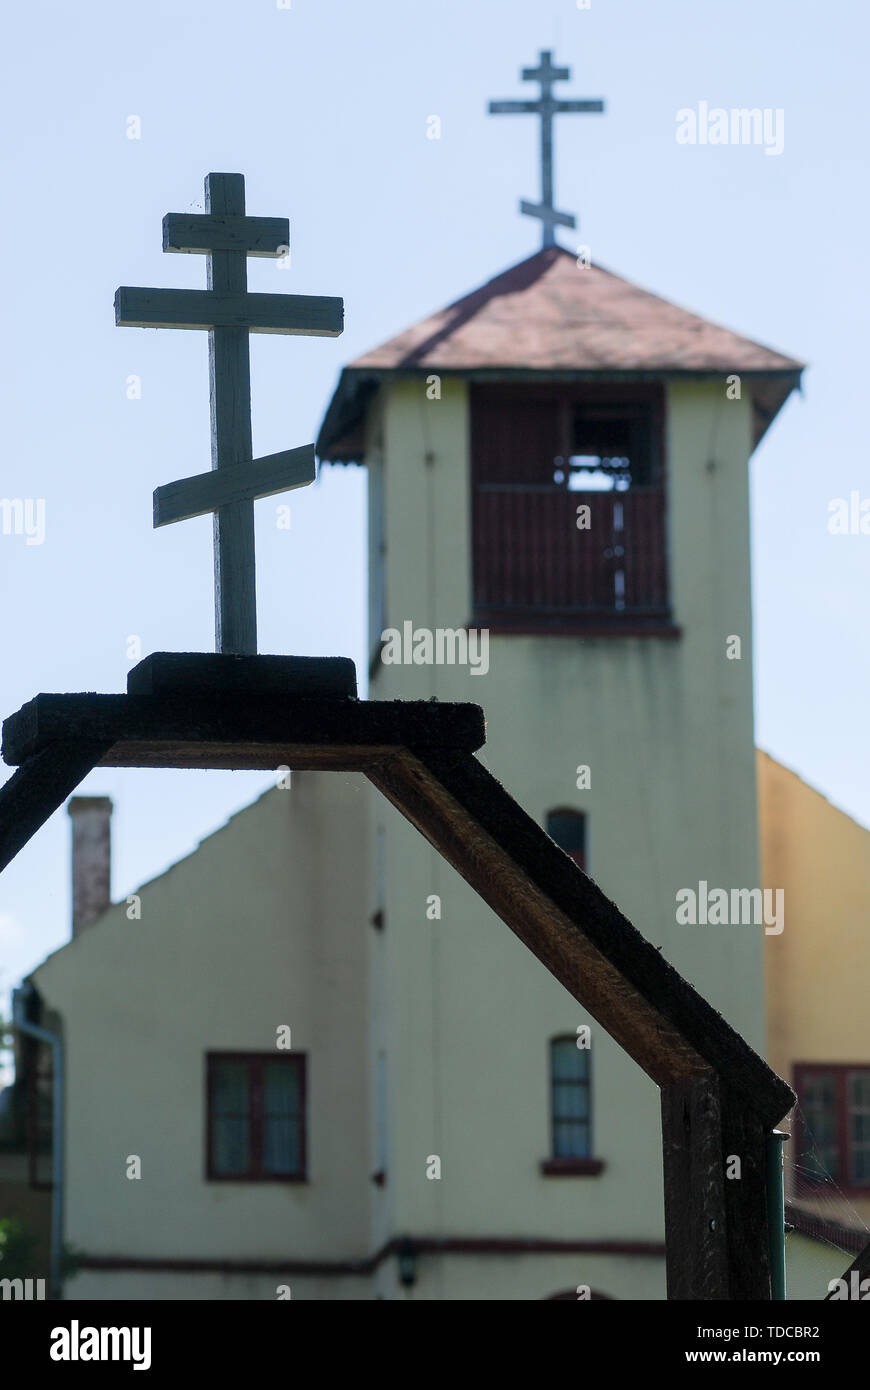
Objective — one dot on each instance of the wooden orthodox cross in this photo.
(227, 237)
(546, 107)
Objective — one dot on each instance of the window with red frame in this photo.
(256, 1117)
(833, 1125)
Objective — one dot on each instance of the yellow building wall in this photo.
(816, 971)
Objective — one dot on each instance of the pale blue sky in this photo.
(324, 106)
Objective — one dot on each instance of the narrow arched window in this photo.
(570, 1099)
(568, 829)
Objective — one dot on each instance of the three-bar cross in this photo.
(546, 107)
(227, 237)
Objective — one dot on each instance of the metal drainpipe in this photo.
(19, 1004)
(776, 1214)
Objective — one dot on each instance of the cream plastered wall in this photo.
(666, 728)
(527, 1278)
(817, 970)
(810, 1265)
(438, 1277)
(148, 1286)
(264, 925)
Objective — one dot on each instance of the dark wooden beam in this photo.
(716, 1225)
(572, 927)
(226, 673)
(39, 788)
(240, 482)
(312, 315)
(697, 1264)
(744, 1134)
(199, 234)
(260, 729)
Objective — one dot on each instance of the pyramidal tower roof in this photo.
(548, 316)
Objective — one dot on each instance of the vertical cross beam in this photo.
(231, 443)
(546, 74)
(547, 106)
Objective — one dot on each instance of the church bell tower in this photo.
(559, 531)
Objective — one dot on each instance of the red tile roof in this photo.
(547, 314)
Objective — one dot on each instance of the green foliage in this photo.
(16, 1249)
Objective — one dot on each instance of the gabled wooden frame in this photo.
(718, 1097)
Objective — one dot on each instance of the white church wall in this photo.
(265, 925)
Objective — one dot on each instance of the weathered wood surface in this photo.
(250, 729)
(229, 374)
(717, 1242)
(198, 234)
(694, 1182)
(315, 316)
(569, 924)
(239, 482)
(299, 677)
(746, 1134)
(39, 788)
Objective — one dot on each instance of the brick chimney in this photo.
(91, 858)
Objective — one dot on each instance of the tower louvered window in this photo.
(568, 507)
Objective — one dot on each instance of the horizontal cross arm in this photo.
(510, 108)
(239, 482)
(565, 106)
(316, 316)
(198, 234)
(545, 73)
(548, 214)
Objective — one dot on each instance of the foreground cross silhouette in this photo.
(227, 237)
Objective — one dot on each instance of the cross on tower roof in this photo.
(229, 313)
(546, 107)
